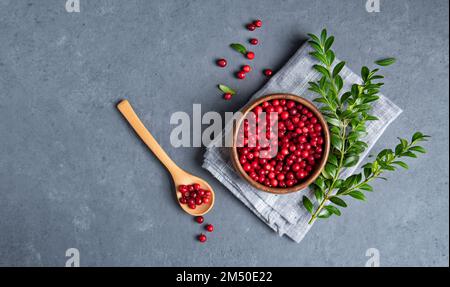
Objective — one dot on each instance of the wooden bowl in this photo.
(312, 177)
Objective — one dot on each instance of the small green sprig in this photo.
(347, 114)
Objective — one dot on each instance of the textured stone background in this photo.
(73, 174)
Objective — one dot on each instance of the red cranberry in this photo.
(227, 96)
(257, 23)
(251, 27)
(221, 63)
(209, 228)
(250, 55)
(199, 219)
(268, 72)
(202, 238)
(246, 68)
(254, 41)
(240, 75)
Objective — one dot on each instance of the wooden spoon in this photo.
(179, 176)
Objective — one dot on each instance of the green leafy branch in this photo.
(347, 114)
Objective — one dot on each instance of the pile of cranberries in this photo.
(299, 150)
(193, 195)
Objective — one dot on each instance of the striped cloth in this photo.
(285, 213)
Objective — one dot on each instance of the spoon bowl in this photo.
(179, 176)
(187, 179)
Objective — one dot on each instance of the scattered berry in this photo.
(202, 238)
(227, 97)
(209, 228)
(240, 75)
(199, 219)
(246, 68)
(254, 41)
(257, 23)
(251, 27)
(250, 55)
(268, 72)
(221, 63)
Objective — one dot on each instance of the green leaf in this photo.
(339, 82)
(337, 69)
(365, 73)
(239, 48)
(333, 209)
(385, 62)
(322, 70)
(319, 182)
(409, 154)
(366, 187)
(336, 141)
(418, 136)
(418, 149)
(404, 143)
(331, 169)
(333, 121)
(226, 89)
(323, 36)
(371, 118)
(401, 163)
(333, 159)
(358, 195)
(367, 172)
(308, 204)
(316, 46)
(324, 213)
(329, 43)
(326, 175)
(319, 195)
(338, 201)
(314, 37)
(351, 161)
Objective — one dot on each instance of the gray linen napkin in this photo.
(285, 213)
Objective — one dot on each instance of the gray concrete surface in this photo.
(73, 174)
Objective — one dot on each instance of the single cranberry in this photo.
(246, 68)
(254, 41)
(227, 96)
(199, 219)
(202, 238)
(257, 23)
(240, 75)
(251, 27)
(268, 72)
(301, 174)
(250, 55)
(183, 200)
(198, 201)
(196, 186)
(222, 63)
(209, 228)
(274, 182)
(284, 115)
(206, 200)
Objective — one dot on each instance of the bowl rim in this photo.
(278, 190)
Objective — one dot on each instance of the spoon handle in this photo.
(127, 111)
